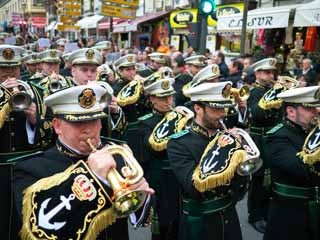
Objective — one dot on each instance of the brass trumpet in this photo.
(253, 161)
(22, 96)
(243, 93)
(125, 201)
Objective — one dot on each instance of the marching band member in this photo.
(293, 157)
(66, 189)
(154, 130)
(260, 121)
(194, 64)
(157, 60)
(201, 160)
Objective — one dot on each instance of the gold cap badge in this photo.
(90, 54)
(87, 98)
(53, 53)
(130, 58)
(8, 54)
(165, 85)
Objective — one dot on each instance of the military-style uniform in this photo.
(208, 215)
(160, 177)
(260, 121)
(293, 155)
(289, 217)
(59, 190)
(180, 81)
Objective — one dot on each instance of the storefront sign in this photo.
(224, 10)
(307, 17)
(120, 12)
(179, 19)
(255, 21)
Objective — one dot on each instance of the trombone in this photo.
(253, 161)
(125, 201)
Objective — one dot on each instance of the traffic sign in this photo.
(132, 3)
(68, 28)
(72, 13)
(120, 12)
(72, 6)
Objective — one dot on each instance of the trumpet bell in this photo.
(243, 93)
(128, 202)
(249, 166)
(20, 101)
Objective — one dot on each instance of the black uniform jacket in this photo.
(53, 161)
(158, 172)
(288, 218)
(180, 81)
(184, 155)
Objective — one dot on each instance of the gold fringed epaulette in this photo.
(4, 112)
(68, 205)
(310, 153)
(270, 100)
(172, 123)
(218, 163)
(130, 93)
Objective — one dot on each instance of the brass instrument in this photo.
(125, 201)
(22, 96)
(56, 82)
(253, 161)
(286, 82)
(162, 73)
(243, 93)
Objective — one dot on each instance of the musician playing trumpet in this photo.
(293, 157)
(66, 188)
(204, 161)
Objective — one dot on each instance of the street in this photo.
(248, 232)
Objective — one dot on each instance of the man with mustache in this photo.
(69, 182)
(295, 169)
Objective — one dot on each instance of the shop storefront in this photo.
(140, 32)
(183, 25)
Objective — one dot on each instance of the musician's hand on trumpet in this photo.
(99, 166)
(11, 83)
(31, 113)
(114, 107)
(142, 185)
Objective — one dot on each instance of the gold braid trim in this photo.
(221, 178)
(98, 224)
(310, 157)
(4, 113)
(132, 98)
(160, 144)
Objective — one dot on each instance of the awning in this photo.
(90, 21)
(106, 24)
(308, 15)
(273, 17)
(51, 26)
(132, 25)
(38, 22)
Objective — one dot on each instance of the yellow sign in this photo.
(72, 13)
(67, 19)
(120, 12)
(179, 19)
(68, 28)
(72, 6)
(224, 10)
(132, 3)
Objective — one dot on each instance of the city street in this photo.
(248, 232)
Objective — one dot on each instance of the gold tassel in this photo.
(122, 102)
(219, 179)
(4, 113)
